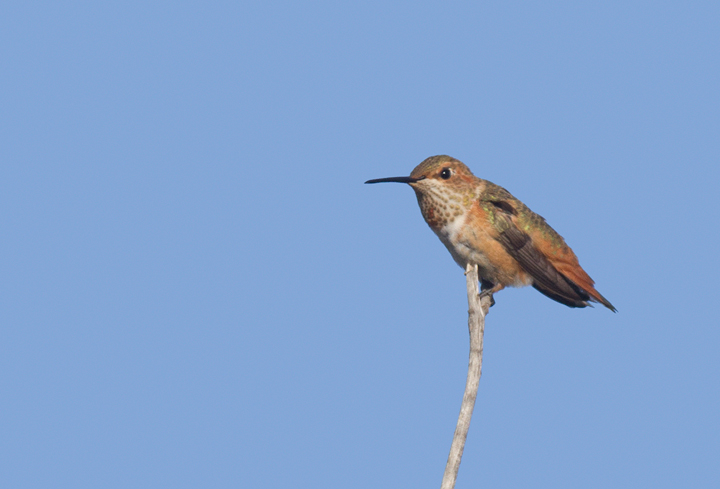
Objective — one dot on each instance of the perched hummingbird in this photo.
(482, 224)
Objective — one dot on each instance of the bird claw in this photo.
(488, 288)
(486, 293)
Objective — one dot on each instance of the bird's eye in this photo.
(445, 173)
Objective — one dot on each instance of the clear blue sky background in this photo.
(199, 291)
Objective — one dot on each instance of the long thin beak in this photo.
(396, 179)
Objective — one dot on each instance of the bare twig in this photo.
(478, 308)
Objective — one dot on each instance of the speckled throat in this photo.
(441, 204)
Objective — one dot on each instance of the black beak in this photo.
(396, 179)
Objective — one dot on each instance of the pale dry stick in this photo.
(478, 308)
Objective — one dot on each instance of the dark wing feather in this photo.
(546, 278)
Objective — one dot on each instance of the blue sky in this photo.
(199, 291)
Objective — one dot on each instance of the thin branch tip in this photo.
(478, 308)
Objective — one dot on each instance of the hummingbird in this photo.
(482, 224)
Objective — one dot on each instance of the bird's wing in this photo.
(521, 246)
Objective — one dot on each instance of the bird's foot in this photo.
(488, 289)
(486, 293)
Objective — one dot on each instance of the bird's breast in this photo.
(470, 240)
(460, 240)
